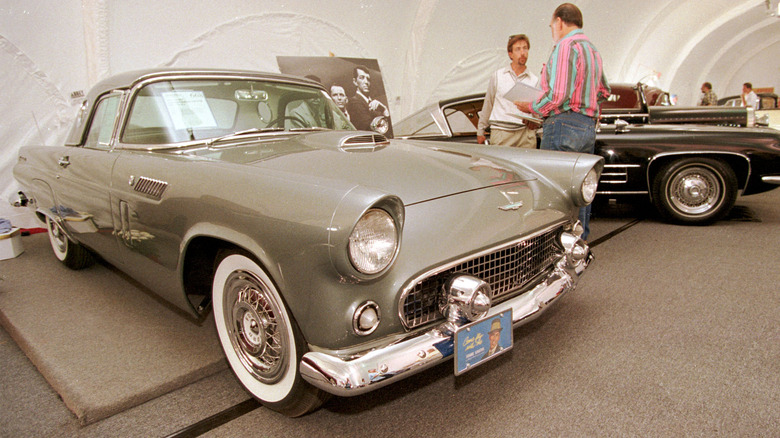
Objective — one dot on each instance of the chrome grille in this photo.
(506, 269)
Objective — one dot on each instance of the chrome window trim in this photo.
(623, 193)
(121, 95)
(441, 121)
(622, 115)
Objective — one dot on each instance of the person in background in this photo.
(508, 127)
(708, 97)
(340, 98)
(364, 110)
(573, 86)
(749, 97)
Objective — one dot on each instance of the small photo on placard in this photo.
(483, 340)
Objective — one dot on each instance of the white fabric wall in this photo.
(427, 49)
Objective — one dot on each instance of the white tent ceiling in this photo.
(426, 49)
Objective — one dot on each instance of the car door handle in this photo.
(64, 161)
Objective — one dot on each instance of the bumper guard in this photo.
(394, 362)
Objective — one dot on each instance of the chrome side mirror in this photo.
(621, 126)
(18, 199)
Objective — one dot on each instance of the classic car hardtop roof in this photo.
(130, 78)
(127, 80)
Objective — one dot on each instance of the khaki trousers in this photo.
(522, 138)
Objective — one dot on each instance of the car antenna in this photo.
(38, 127)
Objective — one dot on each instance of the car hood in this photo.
(415, 171)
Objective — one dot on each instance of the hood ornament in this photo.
(512, 206)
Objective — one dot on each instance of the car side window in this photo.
(460, 123)
(102, 126)
(305, 113)
(421, 123)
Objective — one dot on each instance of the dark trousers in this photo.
(571, 132)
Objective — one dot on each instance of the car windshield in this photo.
(189, 110)
(623, 98)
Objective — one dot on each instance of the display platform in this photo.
(101, 340)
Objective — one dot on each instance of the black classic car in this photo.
(767, 113)
(691, 163)
(766, 100)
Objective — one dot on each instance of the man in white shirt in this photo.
(749, 97)
(508, 126)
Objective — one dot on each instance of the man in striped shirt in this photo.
(573, 86)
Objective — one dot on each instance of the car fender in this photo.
(739, 163)
(350, 209)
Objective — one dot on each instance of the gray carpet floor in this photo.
(102, 341)
(672, 332)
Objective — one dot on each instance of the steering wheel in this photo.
(295, 119)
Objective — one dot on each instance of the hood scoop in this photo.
(363, 143)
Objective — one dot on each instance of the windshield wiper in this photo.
(211, 141)
(311, 128)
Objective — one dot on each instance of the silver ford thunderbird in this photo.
(336, 261)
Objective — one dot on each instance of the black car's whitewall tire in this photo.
(695, 190)
(70, 253)
(260, 339)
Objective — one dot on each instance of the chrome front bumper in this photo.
(394, 362)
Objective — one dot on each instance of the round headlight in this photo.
(373, 242)
(589, 186)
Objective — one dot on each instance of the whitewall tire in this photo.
(260, 339)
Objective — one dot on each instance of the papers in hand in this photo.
(522, 93)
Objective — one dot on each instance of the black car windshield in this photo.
(196, 110)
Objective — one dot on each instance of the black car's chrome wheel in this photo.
(70, 253)
(695, 190)
(260, 339)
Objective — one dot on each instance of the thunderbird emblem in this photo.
(512, 206)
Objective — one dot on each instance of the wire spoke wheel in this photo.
(695, 190)
(260, 338)
(255, 332)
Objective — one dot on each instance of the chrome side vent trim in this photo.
(149, 186)
(363, 143)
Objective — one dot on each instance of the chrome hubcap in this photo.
(255, 327)
(695, 190)
(58, 238)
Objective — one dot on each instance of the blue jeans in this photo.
(571, 132)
